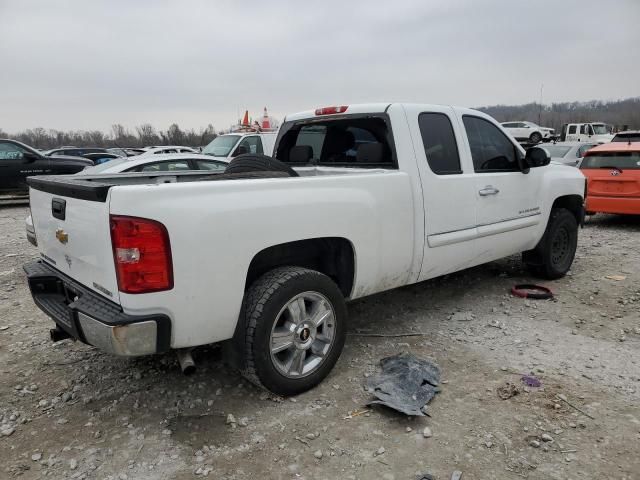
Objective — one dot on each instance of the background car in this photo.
(172, 162)
(19, 161)
(75, 151)
(168, 162)
(612, 171)
(101, 157)
(568, 153)
(167, 149)
(627, 136)
(528, 131)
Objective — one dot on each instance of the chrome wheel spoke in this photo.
(281, 339)
(320, 346)
(297, 310)
(321, 315)
(296, 364)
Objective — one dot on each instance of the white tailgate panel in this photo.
(87, 256)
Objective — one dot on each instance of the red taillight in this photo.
(331, 110)
(142, 254)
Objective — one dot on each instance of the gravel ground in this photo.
(70, 411)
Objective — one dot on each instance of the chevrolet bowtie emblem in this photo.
(62, 236)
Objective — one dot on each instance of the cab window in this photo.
(9, 151)
(572, 129)
(251, 144)
(354, 141)
(439, 143)
(491, 150)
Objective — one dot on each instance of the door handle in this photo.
(488, 190)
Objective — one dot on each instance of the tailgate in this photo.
(613, 183)
(73, 236)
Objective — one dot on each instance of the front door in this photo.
(508, 201)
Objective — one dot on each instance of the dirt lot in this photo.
(69, 411)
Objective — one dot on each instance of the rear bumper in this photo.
(620, 205)
(88, 317)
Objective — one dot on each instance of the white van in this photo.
(233, 144)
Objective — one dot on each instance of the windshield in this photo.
(557, 151)
(622, 160)
(221, 146)
(103, 166)
(601, 129)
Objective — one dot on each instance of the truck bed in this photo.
(96, 187)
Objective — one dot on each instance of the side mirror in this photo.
(29, 157)
(537, 157)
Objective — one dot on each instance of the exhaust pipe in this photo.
(187, 365)
(57, 334)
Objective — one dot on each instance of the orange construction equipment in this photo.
(613, 178)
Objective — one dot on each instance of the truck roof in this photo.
(351, 109)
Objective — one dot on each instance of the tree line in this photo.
(622, 114)
(119, 136)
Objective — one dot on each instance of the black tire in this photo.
(554, 254)
(535, 137)
(251, 162)
(263, 303)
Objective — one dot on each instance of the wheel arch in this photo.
(573, 203)
(332, 256)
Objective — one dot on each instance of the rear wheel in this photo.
(295, 321)
(554, 254)
(535, 137)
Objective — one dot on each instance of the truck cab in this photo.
(231, 145)
(597, 132)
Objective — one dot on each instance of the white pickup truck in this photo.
(361, 199)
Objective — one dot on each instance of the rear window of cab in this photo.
(361, 141)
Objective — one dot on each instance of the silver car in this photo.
(568, 153)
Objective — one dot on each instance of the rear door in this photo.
(448, 190)
(572, 133)
(508, 201)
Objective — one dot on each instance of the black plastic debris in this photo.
(406, 384)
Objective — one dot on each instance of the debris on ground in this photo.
(617, 278)
(425, 476)
(406, 384)
(457, 475)
(529, 290)
(531, 381)
(507, 391)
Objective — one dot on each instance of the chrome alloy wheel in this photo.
(302, 335)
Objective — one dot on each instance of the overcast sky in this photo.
(88, 64)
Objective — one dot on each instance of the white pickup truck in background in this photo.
(231, 145)
(361, 199)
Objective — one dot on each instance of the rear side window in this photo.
(572, 129)
(491, 150)
(352, 141)
(439, 142)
